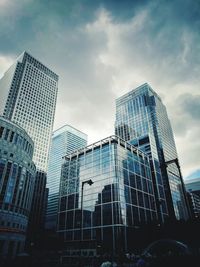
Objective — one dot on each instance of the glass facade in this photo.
(64, 140)
(141, 119)
(17, 177)
(121, 197)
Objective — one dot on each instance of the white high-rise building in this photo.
(64, 140)
(28, 98)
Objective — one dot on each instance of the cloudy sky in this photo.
(103, 49)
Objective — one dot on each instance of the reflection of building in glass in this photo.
(29, 92)
(142, 110)
(17, 177)
(64, 140)
(121, 197)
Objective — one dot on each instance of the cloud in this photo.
(186, 113)
(103, 49)
(5, 63)
(186, 122)
(191, 106)
(188, 147)
(193, 175)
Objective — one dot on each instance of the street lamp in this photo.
(164, 166)
(90, 182)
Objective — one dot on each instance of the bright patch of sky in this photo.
(103, 49)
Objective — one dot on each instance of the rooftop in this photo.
(137, 90)
(110, 139)
(69, 128)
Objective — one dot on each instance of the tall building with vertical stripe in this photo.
(64, 140)
(29, 93)
(141, 119)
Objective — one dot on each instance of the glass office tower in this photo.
(64, 140)
(141, 119)
(121, 197)
(29, 93)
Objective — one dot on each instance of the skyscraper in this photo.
(64, 140)
(141, 119)
(29, 93)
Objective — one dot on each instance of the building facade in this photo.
(64, 140)
(193, 185)
(29, 93)
(194, 201)
(193, 188)
(17, 177)
(29, 99)
(120, 198)
(141, 119)
(36, 226)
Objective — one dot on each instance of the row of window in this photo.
(13, 137)
(33, 78)
(107, 214)
(12, 224)
(40, 66)
(129, 195)
(16, 187)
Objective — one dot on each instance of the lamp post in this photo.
(90, 182)
(165, 165)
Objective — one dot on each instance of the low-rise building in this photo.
(121, 197)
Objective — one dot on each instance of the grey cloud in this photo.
(102, 49)
(191, 106)
(186, 114)
(194, 174)
(188, 148)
